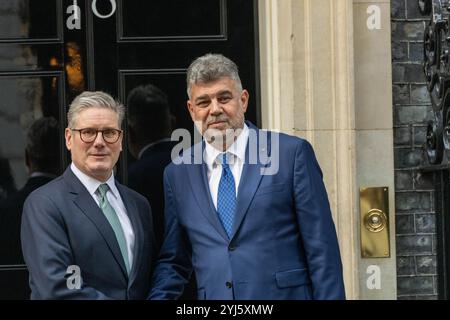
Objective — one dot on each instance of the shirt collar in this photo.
(237, 148)
(92, 184)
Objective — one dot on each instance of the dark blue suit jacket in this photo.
(283, 244)
(63, 226)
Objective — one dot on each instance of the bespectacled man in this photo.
(84, 235)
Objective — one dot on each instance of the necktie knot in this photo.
(103, 189)
(225, 159)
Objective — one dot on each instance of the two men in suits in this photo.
(84, 235)
(247, 232)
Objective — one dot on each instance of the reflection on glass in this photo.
(143, 18)
(21, 105)
(174, 83)
(6, 180)
(74, 67)
(17, 23)
(42, 163)
(14, 57)
(150, 125)
(15, 19)
(29, 144)
(149, 129)
(24, 99)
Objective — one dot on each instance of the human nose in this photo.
(99, 141)
(216, 108)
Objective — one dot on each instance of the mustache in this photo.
(218, 119)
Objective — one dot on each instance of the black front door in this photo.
(155, 41)
(50, 51)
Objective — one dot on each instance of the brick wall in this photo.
(415, 219)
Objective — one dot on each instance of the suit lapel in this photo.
(250, 179)
(198, 180)
(133, 214)
(84, 201)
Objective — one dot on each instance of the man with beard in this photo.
(247, 231)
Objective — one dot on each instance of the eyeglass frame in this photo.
(96, 134)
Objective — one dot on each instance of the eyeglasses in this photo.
(88, 135)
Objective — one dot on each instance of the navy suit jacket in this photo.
(283, 243)
(62, 226)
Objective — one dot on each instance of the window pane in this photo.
(28, 19)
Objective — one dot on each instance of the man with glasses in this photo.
(84, 235)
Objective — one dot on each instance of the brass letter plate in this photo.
(374, 224)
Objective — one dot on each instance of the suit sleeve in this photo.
(316, 226)
(174, 266)
(47, 252)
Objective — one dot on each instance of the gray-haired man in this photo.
(85, 236)
(247, 235)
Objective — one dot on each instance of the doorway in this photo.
(47, 58)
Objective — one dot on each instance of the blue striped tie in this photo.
(226, 196)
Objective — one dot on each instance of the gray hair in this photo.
(209, 68)
(94, 99)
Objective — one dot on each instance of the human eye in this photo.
(224, 99)
(88, 132)
(110, 133)
(202, 103)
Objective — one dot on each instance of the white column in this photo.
(311, 53)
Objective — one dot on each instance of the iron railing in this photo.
(436, 67)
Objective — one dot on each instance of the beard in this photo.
(221, 139)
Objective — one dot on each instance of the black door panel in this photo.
(44, 65)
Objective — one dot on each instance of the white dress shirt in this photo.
(237, 149)
(116, 202)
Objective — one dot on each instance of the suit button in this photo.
(231, 247)
(229, 285)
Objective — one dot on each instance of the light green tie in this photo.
(111, 215)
